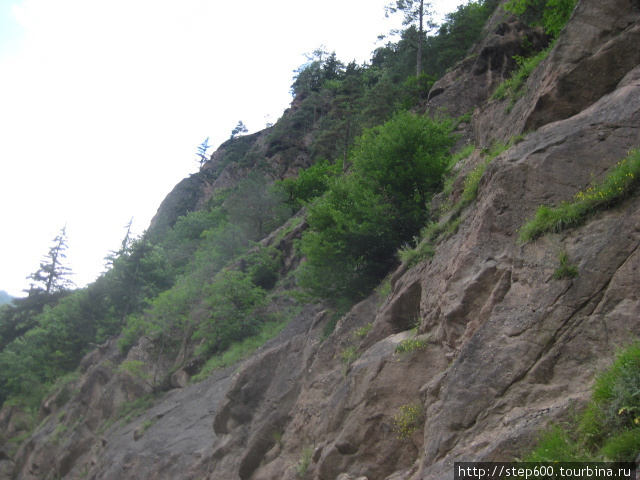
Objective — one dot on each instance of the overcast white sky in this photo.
(104, 102)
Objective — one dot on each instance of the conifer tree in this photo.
(415, 12)
(202, 152)
(240, 129)
(53, 275)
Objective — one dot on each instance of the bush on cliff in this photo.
(356, 227)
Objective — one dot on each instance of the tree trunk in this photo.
(420, 39)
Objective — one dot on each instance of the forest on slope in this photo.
(487, 263)
(166, 284)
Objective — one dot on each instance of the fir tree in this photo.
(53, 276)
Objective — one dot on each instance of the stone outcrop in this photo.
(464, 357)
(490, 62)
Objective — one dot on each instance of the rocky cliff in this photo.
(475, 349)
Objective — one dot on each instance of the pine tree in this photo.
(202, 152)
(53, 276)
(240, 129)
(415, 12)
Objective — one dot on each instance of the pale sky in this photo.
(104, 102)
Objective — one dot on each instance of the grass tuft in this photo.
(303, 463)
(513, 88)
(566, 269)
(620, 183)
(609, 428)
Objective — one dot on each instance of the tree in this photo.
(414, 13)
(256, 207)
(240, 129)
(460, 30)
(202, 150)
(356, 227)
(232, 301)
(53, 276)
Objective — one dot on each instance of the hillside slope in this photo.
(464, 355)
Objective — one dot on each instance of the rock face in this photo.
(464, 357)
(472, 82)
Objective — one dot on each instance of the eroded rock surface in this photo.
(500, 347)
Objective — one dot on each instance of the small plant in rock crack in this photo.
(408, 420)
(277, 437)
(362, 331)
(305, 460)
(411, 344)
(349, 355)
(566, 269)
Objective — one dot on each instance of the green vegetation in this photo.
(349, 355)
(435, 231)
(411, 344)
(409, 419)
(566, 269)
(609, 428)
(367, 170)
(129, 411)
(451, 163)
(340, 307)
(621, 182)
(305, 459)
(243, 349)
(310, 183)
(513, 88)
(362, 331)
(365, 215)
(553, 15)
(456, 35)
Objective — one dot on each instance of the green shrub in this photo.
(452, 162)
(340, 306)
(618, 185)
(60, 430)
(349, 355)
(553, 15)
(263, 265)
(411, 344)
(413, 256)
(435, 231)
(367, 214)
(310, 183)
(232, 302)
(623, 447)
(409, 419)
